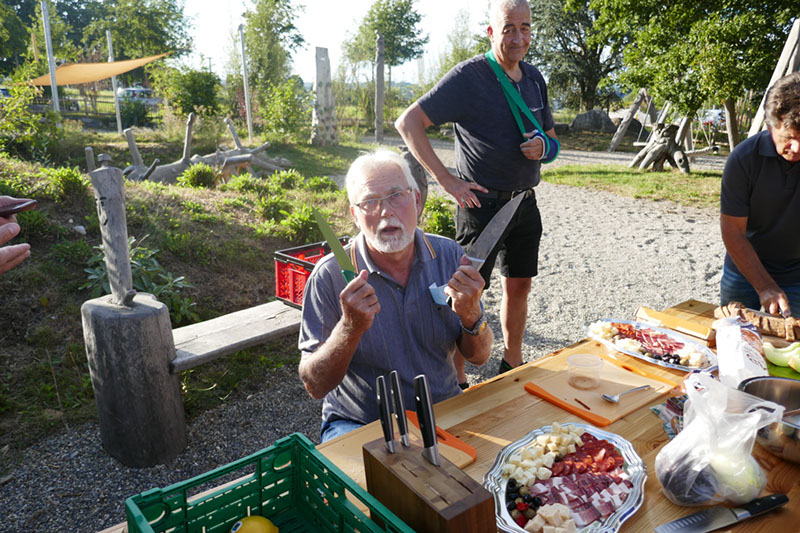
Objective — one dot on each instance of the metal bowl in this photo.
(779, 438)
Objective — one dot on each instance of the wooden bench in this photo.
(206, 341)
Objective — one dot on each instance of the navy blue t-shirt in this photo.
(487, 136)
(759, 184)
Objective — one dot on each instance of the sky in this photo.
(323, 23)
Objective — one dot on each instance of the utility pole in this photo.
(114, 83)
(246, 87)
(50, 59)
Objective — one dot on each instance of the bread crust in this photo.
(777, 326)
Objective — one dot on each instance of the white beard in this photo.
(389, 244)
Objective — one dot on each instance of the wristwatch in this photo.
(479, 326)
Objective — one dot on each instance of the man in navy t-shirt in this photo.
(494, 162)
(760, 209)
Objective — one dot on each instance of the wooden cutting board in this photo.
(615, 377)
(703, 313)
(350, 459)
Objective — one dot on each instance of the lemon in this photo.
(254, 524)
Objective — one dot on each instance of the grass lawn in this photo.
(700, 188)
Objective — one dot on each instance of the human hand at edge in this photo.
(359, 304)
(461, 191)
(775, 302)
(532, 149)
(11, 256)
(465, 288)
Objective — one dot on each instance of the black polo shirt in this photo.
(759, 184)
(487, 136)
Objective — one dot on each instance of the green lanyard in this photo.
(515, 100)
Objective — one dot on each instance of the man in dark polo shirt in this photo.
(760, 209)
(346, 343)
(494, 161)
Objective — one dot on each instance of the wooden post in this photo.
(379, 60)
(323, 118)
(787, 63)
(731, 126)
(623, 126)
(129, 346)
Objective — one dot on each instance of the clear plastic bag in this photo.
(711, 459)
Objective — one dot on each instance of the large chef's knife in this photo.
(348, 270)
(485, 243)
(385, 413)
(399, 408)
(718, 516)
(427, 424)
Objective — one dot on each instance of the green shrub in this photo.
(286, 179)
(198, 176)
(287, 110)
(133, 113)
(246, 182)
(67, 185)
(439, 216)
(71, 252)
(148, 276)
(321, 184)
(273, 207)
(301, 226)
(36, 226)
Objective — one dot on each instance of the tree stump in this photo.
(129, 346)
(662, 148)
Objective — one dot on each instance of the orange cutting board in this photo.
(588, 404)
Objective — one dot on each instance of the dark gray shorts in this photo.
(518, 248)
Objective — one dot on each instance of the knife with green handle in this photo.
(348, 270)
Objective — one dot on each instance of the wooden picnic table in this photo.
(500, 411)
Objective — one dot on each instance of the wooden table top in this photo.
(498, 412)
(493, 414)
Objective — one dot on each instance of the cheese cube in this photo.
(558, 439)
(570, 428)
(546, 512)
(556, 519)
(563, 511)
(539, 461)
(535, 524)
(544, 473)
(549, 459)
(532, 452)
(571, 448)
(541, 440)
(526, 464)
(508, 469)
(556, 427)
(578, 441)
(548, 529)
(518, 473)
(569, 526)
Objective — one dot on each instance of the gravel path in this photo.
(601, 256)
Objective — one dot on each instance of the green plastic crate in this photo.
(291, 483)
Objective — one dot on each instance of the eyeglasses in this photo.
(373, 205)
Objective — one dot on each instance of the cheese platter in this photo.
(570, 478)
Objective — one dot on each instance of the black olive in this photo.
(512, 484)
(537, 501)
(511, 505)
(513, 495)
(528, 498)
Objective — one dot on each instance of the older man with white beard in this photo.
(346, 343)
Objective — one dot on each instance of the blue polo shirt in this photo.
(759, 184)
(410, 334)
(487, 136)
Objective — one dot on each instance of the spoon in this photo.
(615, 399)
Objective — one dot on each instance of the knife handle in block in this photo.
(385, 413)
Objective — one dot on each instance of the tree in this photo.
(140, 28)
(564, 47)
(462, 44)
(690, 51)
(188, 90)
(270, 37)
(13, 42)
(397, 21)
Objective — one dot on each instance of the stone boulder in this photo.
(561, 128)
(594, 120)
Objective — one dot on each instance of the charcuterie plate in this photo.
(598, 500)
(653, 344)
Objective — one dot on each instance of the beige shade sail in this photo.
(78, 73)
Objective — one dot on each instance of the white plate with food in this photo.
(653, 344)
(571, 478)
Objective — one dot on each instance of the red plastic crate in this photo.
(293, 266)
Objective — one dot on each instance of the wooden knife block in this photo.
(429, 499)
